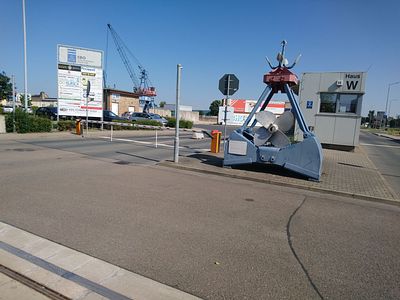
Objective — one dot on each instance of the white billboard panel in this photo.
(76, 67)
(80, 56)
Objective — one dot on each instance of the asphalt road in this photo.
(129, 148)
(211, 236)
(385, 154)
(209, 128)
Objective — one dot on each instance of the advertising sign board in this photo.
(239, 110)
(75, 68)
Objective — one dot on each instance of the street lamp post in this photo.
(25, 61)
(13, 94)
(177, 112)
(387, 97)
(390, 103)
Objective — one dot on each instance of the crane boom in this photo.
(119, 44)
(141, 86)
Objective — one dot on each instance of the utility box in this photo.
(331, 104)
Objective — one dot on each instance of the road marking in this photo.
(386, 146)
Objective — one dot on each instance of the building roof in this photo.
(122, 93)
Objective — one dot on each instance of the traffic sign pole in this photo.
(226, 109)
(87, 109)
(226, 83)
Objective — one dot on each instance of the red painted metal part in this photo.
(278, 77)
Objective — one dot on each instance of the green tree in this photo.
(23, 100)
(5, 86)
(214, 107)
(395, 123)
(162, 104)
(371, 118)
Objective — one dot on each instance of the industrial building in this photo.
(121, 101)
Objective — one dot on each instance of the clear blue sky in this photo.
(209, 38)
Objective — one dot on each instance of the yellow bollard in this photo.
(215, 141)
(78, 127)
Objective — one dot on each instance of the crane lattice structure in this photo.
(141, 84)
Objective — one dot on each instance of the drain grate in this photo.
(32, 284)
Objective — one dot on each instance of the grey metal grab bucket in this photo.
(268, 144)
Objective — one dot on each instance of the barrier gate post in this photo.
(215, 141)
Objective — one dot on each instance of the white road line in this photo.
(386, 146)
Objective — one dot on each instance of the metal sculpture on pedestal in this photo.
(269, 144)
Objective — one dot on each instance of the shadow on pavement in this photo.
(217, 161)
(208, 159)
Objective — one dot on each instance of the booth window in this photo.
(348, 103)
(338, 103)
(328, 103)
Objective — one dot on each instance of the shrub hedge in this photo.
(24, 123)
(182, 123)
(67, 125)
(147, 122)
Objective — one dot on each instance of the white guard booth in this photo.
(331, 104)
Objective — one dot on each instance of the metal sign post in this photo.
(13, 94)
(177, 115)
(228, 85)
(226, 109)
(87, 109)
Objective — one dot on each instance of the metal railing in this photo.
(123, 124)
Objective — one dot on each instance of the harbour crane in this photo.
(141, 84)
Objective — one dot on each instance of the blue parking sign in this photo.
(309, 104)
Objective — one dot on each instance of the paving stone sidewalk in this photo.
(344, 173)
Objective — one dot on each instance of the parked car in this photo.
(126, 115)
(7, 109)
(29, 110)
(47, 112)
(109, 116)
(148, 116)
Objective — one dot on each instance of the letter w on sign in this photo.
(351, 85)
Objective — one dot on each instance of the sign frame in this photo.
(72, 77)
(228, 81)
